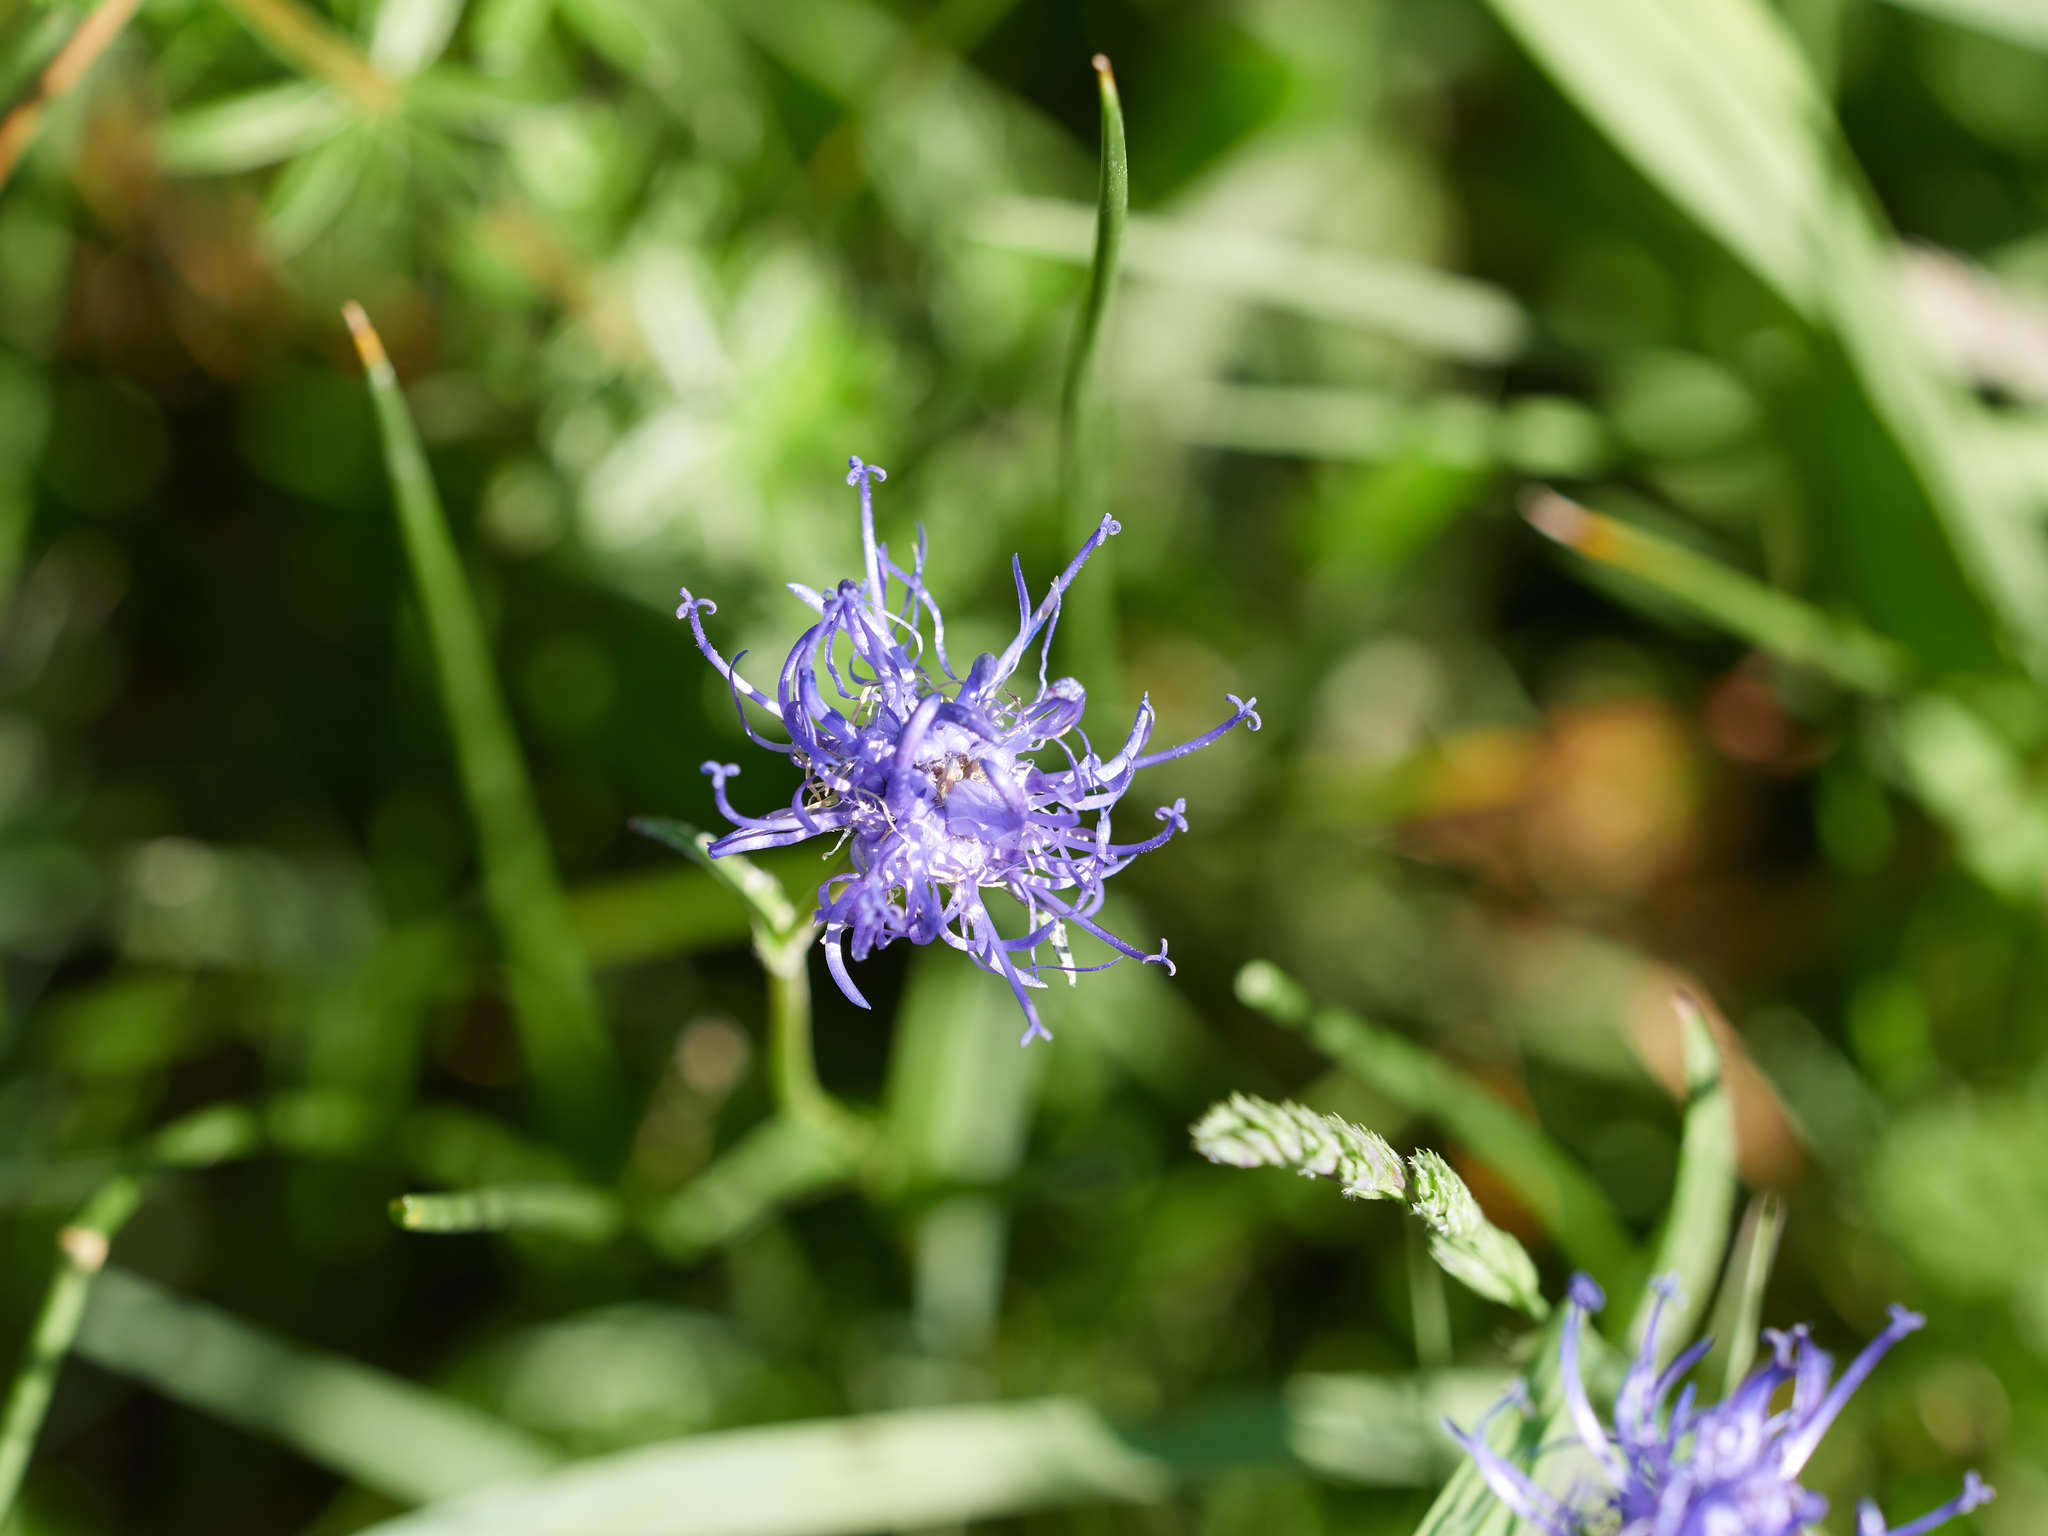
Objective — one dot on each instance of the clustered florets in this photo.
(932, 781)
(1729, 1470)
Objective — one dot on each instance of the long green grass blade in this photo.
(385, 1433)
(1765, 617)
(81, 1256)
(1695, 1236)
(1561, 1194)
(1437, 313)
(579, 1212)
(922, 1468)
(553, 998)
(1740, 1308)
(1467, 1506)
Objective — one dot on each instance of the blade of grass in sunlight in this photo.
(920, 1468)
(1763, 616)
(1562, 1195)
(2024, 22)
(399, 1439)
(1439, 313)
(1712, 102)
(1090, 608)
(81, 1256)
(1740, 1308)
(553, 999)
(578, 1212)
(1695, 1235)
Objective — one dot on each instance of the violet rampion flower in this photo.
(933, 781)
(1729, 1470)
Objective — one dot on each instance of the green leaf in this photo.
(256, 128)
(1695, 1233)
(1468, 1506)
(385, 1433)
(778, 1162)
(1560, 1193)
(1437, 313)
(554, 1002)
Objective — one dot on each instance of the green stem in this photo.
(81, 1253)
(1089, 607)
(792, 1059)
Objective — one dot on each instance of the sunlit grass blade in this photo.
(1739, 1310)
(1090, 607)
(1561, 1194)
(1437, 313)
(2024, 22)
(567, 1051)
(1695, 1235)
(578, 1212)
(388, 1434)
(922, 1468)
(1748, 609)
(81, 1256)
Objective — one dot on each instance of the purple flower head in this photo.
(1667, 1468)
(933, 781)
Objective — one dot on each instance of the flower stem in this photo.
(792, 1059)
(81, 1252)
(1091, 616)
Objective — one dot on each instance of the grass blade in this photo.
(1467, 1506)
(779, 1161)
(1563, 1196)
(1696, 1227)
(1763, 616)
(1739, 1312)
(579, 1212)
(387, 1434)
(553, 998)
(81, 1255)
(925, 1468)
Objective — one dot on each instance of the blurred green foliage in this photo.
(316, 888)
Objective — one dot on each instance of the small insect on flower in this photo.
(1681, 1470)
(933, 780)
